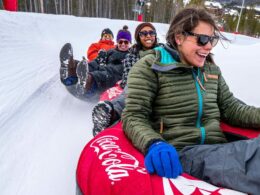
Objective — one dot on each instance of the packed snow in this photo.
(42, 127)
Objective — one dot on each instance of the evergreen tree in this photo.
(161, 11)
(251, 22)
(197, 2)
(230, 23)
(1, 4)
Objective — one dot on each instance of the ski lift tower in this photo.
(241, 10)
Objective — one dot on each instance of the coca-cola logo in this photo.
(118, 163)
(113, 92)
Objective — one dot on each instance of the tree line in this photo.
(161, 11)
(249, 23)
(155, 11)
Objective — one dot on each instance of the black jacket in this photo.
(107, 68)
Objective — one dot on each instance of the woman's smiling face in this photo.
(148, 40)
(190, 52)
(123, 44)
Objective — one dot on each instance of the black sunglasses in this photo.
(125, 42)
(152, 33)
(203, 40)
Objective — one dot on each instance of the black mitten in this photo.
(102, 57)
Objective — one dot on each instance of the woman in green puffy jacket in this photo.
(175, 101)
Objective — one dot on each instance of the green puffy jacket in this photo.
(180, 104)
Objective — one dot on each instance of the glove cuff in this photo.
(155, 143)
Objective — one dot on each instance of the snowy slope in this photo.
(42, 127)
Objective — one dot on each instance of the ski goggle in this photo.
(152, 33)
(203, 40)
(120, 42)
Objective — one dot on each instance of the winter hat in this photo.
(124, 34)
(107, 31)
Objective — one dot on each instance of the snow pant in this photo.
(119, 102)
(78, 191)
(77, 90)
(234, 165)
(103, 77)
(107, 76)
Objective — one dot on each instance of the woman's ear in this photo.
(178, 39)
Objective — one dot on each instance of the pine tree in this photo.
(197, 2)
(251, 22)
(230, 23)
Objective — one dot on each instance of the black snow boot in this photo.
(102, 116)
(68, 66)
(83, 76)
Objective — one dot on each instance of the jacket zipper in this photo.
(199, 86)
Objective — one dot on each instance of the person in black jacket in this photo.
(90, 79)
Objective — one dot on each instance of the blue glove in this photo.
(163, 159)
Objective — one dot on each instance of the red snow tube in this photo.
(10, 5)
(111, 93)
(240, 132)
(110, 164)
